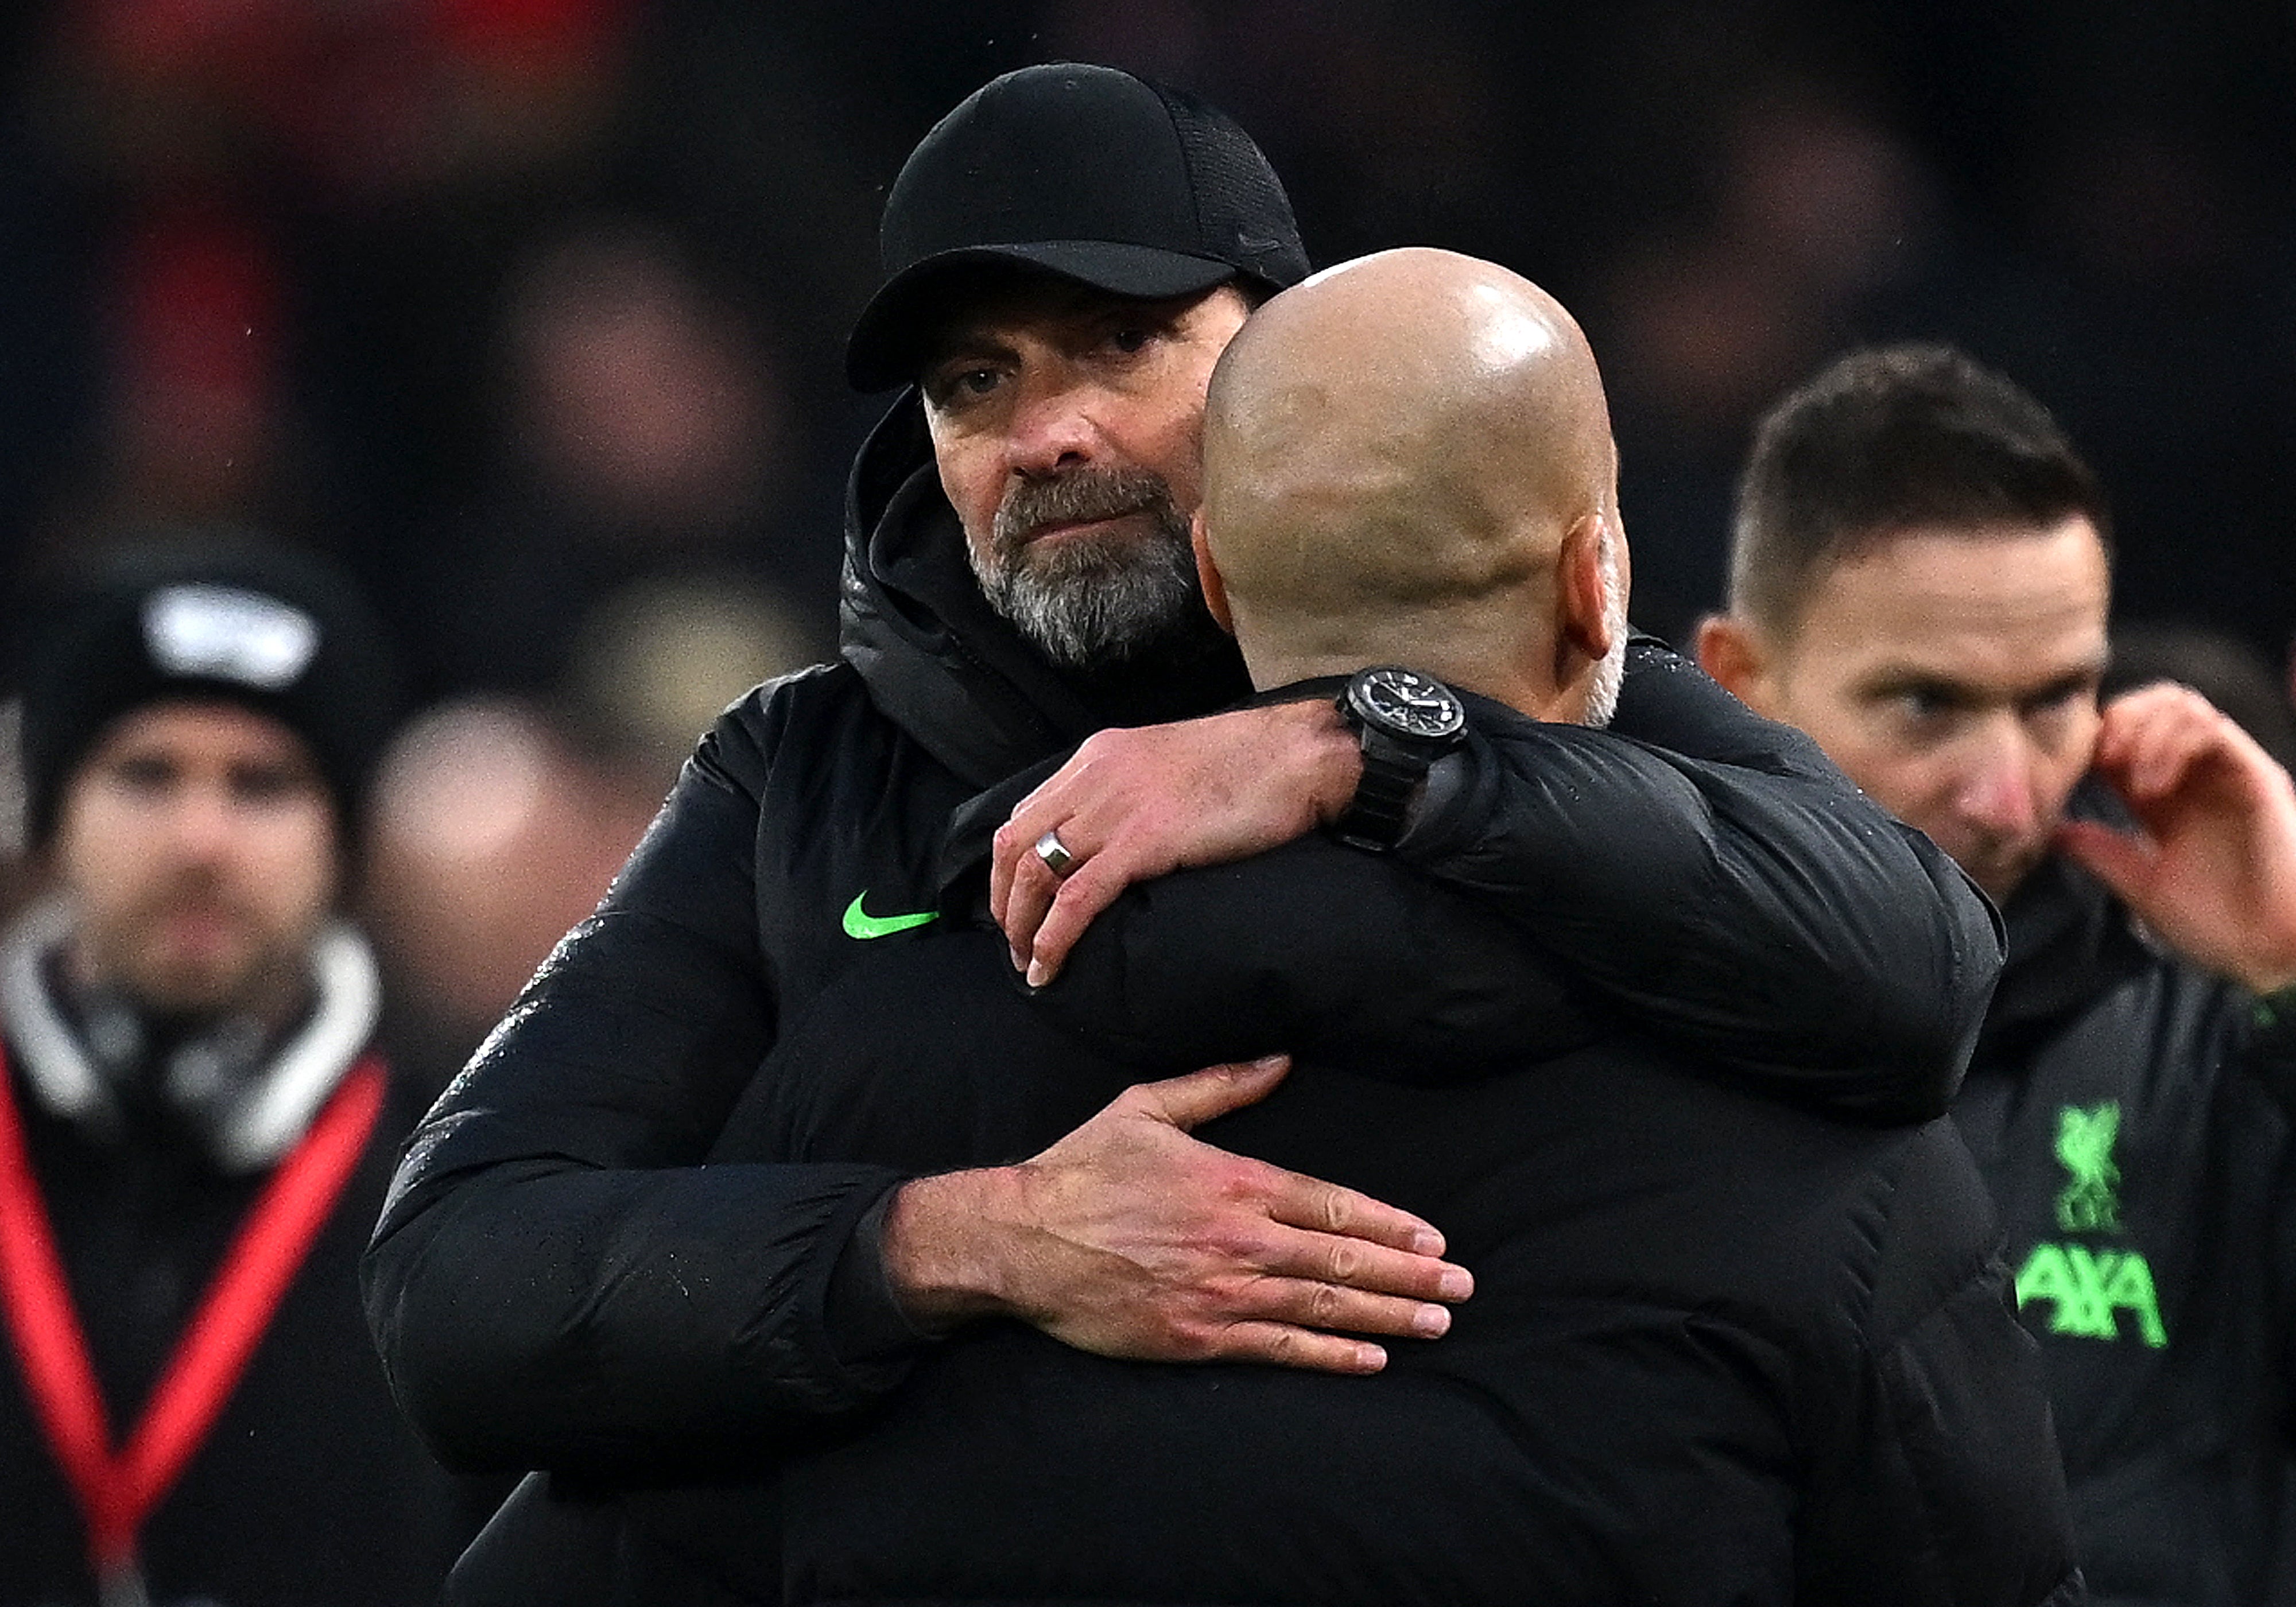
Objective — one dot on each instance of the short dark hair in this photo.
(1886, 439)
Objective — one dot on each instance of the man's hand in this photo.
(1129, 1238)
(2213, 870)
(1134, 804)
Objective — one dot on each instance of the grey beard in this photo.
(1090, 601)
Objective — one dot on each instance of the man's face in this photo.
(197, 843)
(1954, 676)
(1068, 426)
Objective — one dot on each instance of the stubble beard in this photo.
(1085, 601)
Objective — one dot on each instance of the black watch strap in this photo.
(1405, 721)
(1375, 817)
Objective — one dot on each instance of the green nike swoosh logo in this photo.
(858, 924)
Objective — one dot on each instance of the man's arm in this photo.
(558, 1281)
(1720, 879)
(555, 1281)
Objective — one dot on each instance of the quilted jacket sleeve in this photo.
(1715, 875)
(1935, 1480)
(557, 1281)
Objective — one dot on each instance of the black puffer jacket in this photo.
(1719, 1350)
(557, 1280)
(2137, 1139)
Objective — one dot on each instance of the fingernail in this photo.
(1456, 1283)
(1039, 973)
(1371, 1358)
(1019, 960)
(1427, 1242)
(1431, 1321)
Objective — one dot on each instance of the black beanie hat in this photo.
(275, 630)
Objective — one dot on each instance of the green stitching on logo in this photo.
(2089, 1204)
(866, 926)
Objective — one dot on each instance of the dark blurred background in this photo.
(530, 311)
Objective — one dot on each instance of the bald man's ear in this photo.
(1208, 574)
(1587, 626)
(1734, 653)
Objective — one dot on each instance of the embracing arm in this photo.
(1721, 879)
(560, 1280)
(556, 1281)
(1714, 873)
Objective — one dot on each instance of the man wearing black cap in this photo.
(195, 1127)
(560, 1282)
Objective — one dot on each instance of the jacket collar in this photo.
(2070, 941)
(942, 665)
(260, 1118)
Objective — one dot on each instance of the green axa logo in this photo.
(2089, 1203)
(2087, 1287)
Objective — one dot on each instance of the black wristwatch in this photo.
(1405, 722)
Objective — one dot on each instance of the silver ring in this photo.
(1054, 853)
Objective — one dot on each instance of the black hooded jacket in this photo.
(1719, 1350)
(2135, 1133)
(559, 1282)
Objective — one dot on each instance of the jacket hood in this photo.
(941, 664)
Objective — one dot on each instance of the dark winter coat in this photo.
(559, 1282)
(2135, 1136)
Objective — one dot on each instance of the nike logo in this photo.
(861, 924)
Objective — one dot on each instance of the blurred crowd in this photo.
(529, 313)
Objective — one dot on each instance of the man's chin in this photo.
(197, 985)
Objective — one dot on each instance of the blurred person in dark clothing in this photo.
(1920, 579)
(195, 1123)
(641, 443)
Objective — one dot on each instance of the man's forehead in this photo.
(205, 727)
(1985, 608)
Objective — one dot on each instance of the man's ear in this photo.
(1585, 626)
(1735, 654)
(1208, 574)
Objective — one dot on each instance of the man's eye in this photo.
(957, 386)
(1130, 340)
(266, 784)
(143, 775)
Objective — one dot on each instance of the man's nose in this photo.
(1996, 790)
(1053, 428)
(201, 822)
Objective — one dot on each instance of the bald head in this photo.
(1405, 458)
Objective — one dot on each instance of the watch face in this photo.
(1409, 703)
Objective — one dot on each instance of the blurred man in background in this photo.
(1920, 579)
(195, 1126)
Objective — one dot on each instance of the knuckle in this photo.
(1324, 1304)
(1345, 1264)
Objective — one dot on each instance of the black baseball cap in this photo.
(1085, 173)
